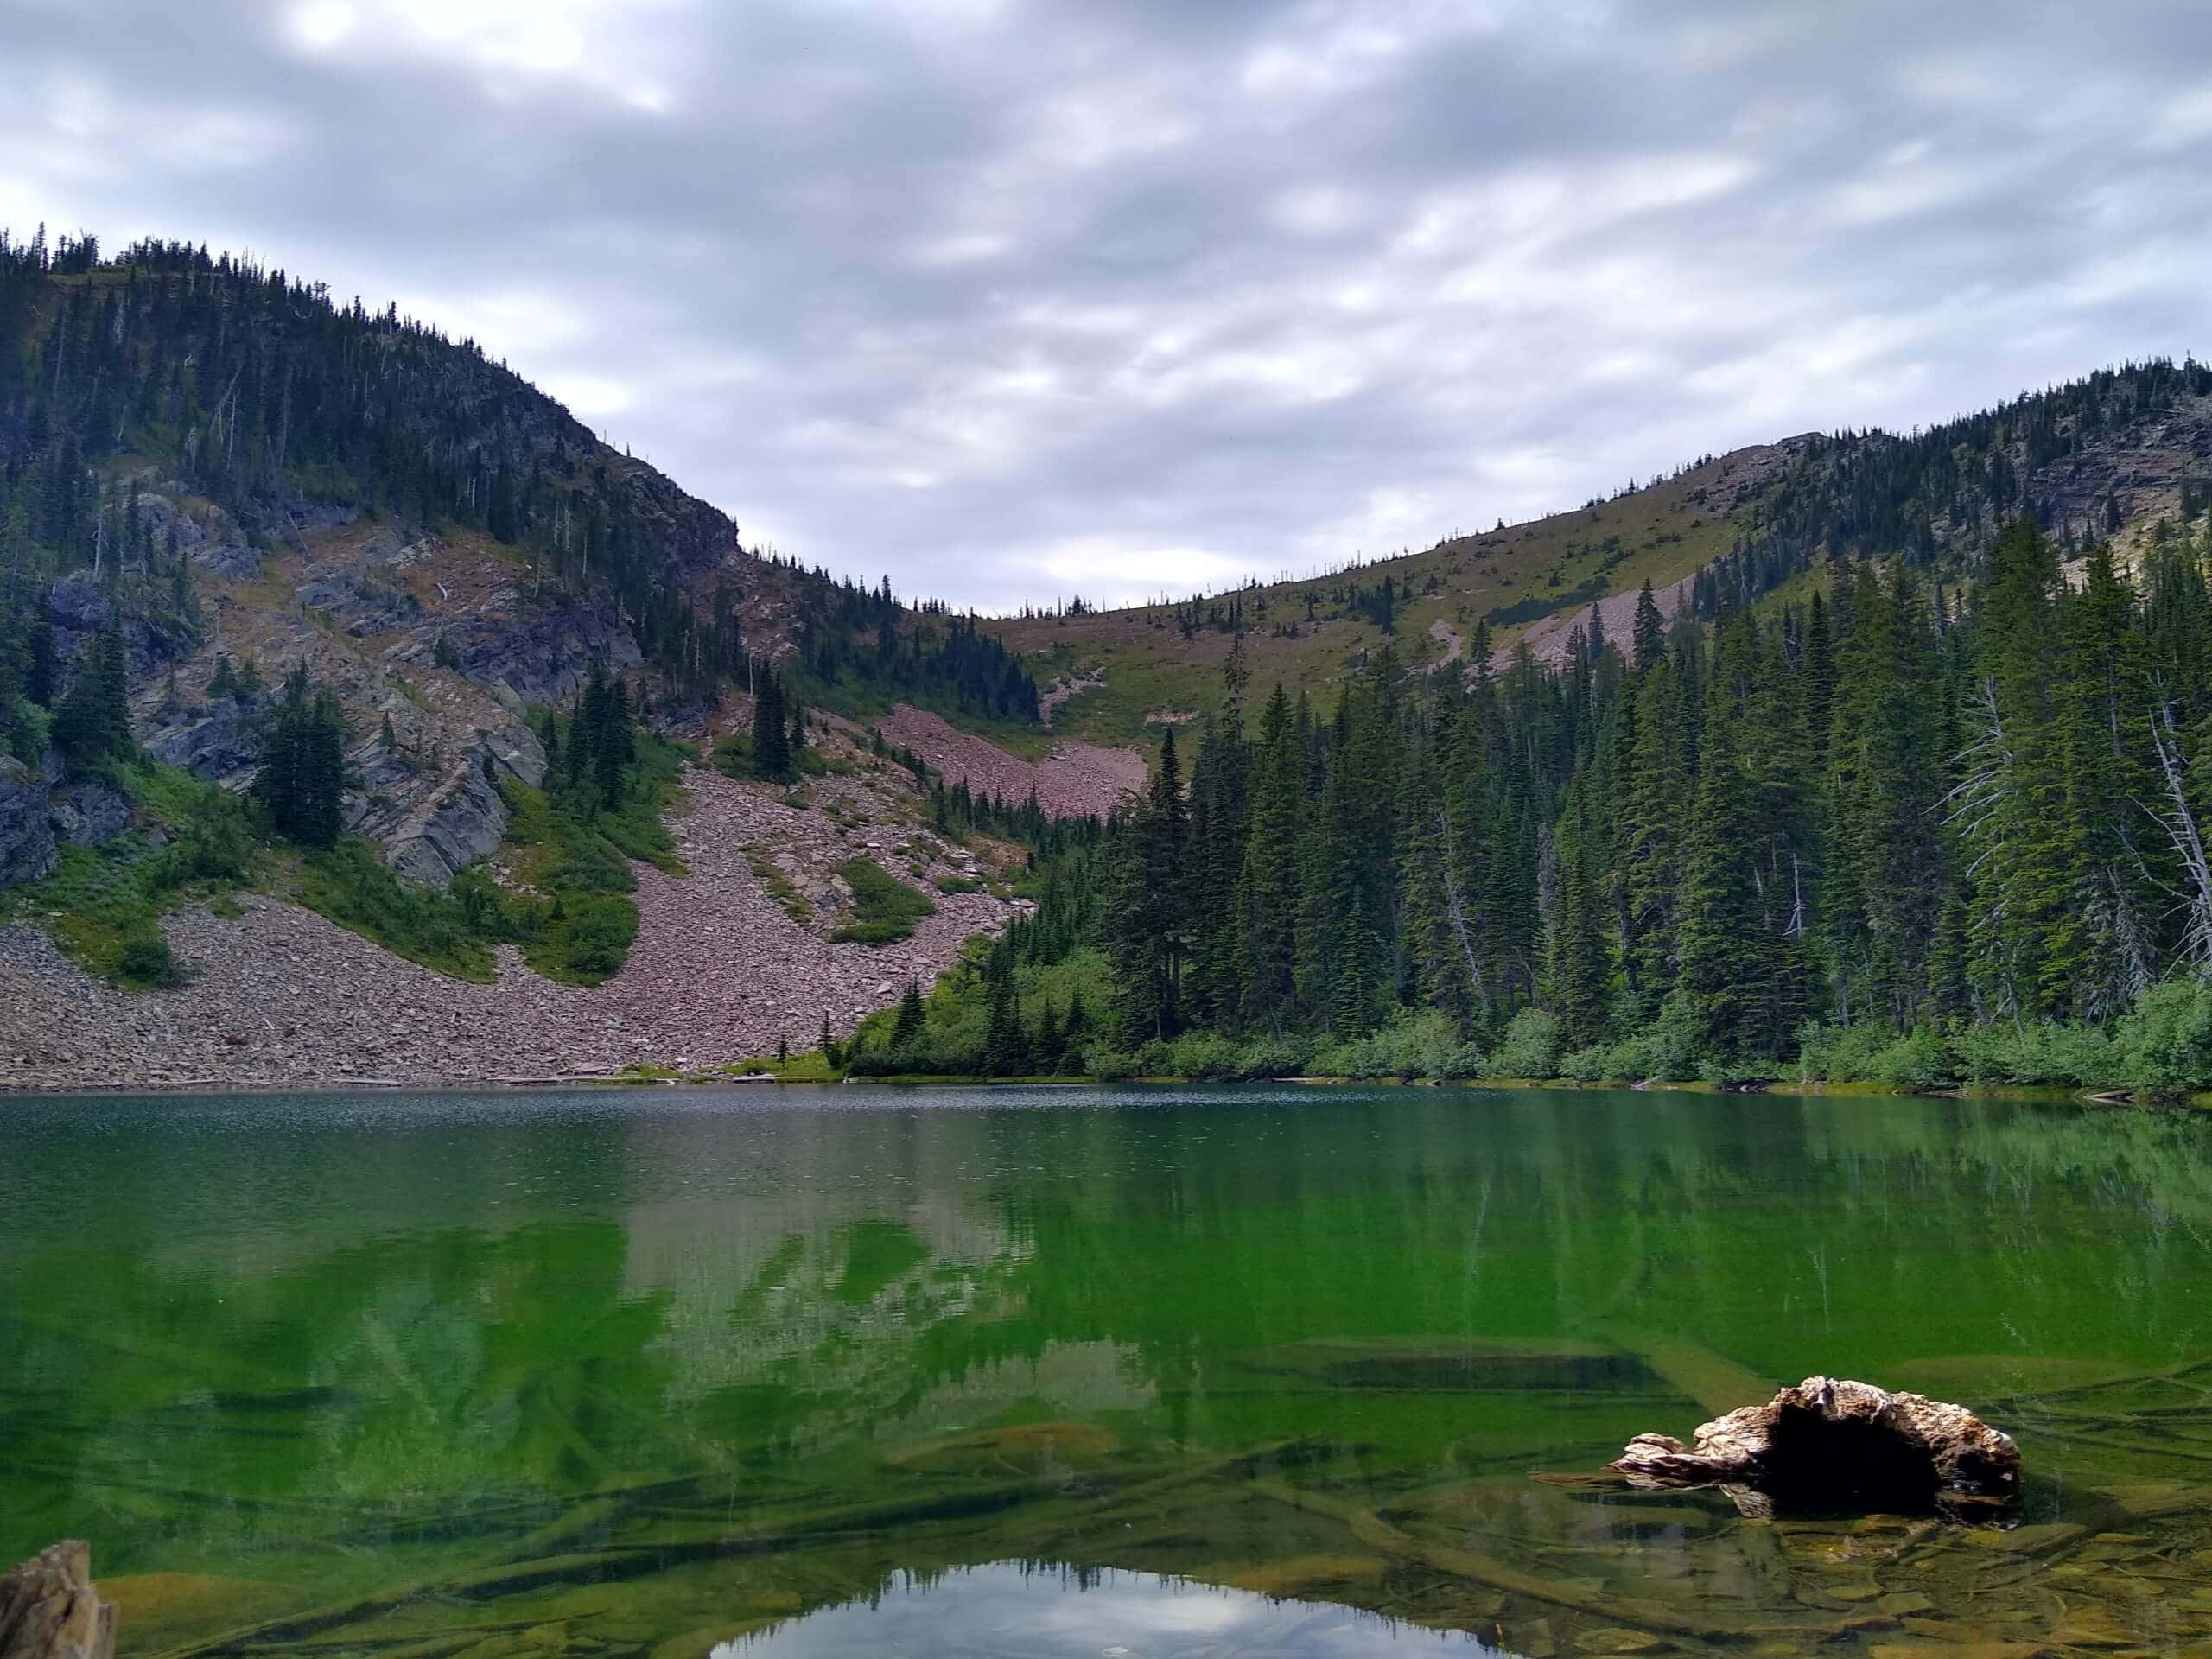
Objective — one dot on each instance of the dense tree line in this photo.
(863, 639)
(1891, 807)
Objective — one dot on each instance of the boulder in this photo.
(90, 814)
(469, 818)
(462, 825)
(48, 1608)
(27, 850)
(1832, 1446)
(215, 739)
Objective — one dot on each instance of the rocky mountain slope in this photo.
(215, 467)
(2107, 456)
(450, 555)
(723, 968)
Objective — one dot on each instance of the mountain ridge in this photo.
(211, 465)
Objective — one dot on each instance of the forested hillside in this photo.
(1893, 829)
(306, 600)
(1859, 755)
(215, 382)
(2100, 458)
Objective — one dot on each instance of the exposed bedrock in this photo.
(1833, 1446)
(466, 821)
(27, 849)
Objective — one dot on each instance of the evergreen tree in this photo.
(1581, 951)
(1268, 885)
(38, 673)
(93, 722)
(771, 750)
(301, 780)
(2013, 823)
(906, 1026)
(1147, 920)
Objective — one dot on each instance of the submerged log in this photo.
(1836, 1445)
(48, 1608)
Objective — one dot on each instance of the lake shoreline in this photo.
(696, 1084)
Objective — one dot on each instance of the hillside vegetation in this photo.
(2099, 459)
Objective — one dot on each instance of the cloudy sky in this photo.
(1017, 298)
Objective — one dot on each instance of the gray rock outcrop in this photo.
(214, 739)
(89, 814)
(27, 850)
(49, 1609)
(467, 820)
(1836, 1445)
(80, 606)
(545, 654)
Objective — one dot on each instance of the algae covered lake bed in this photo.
(1152, 1371)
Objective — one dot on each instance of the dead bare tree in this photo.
(2179, 819)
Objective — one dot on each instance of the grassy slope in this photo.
(1663, 533)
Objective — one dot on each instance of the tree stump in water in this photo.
(48, 1608)
(1833, 1446)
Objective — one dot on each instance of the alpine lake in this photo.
(1134, 1373)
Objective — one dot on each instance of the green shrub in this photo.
(2163, 1044)
(347, 884)
(1205, 1056)
(1155, 1059)
(1592, 1064)
(1271, 1056)
(1918, 1059)
(1529, 1049)
(885, 909)
(146, 963)
(2043, 1053)
(1838, 1053)
(1109, 1064)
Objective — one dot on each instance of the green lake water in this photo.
(1134, 1373)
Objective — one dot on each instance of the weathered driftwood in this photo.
(48, 1608)
(1829, 1444)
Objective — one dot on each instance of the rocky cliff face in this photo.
(27, 849)
(464, 824)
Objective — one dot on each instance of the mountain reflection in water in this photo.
(1009, 1610)
(629, 1376)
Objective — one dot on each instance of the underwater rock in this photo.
(48, 1608)
(1834, 1446)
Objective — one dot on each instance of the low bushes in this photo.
(885, 909)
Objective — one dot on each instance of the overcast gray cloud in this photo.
(1015, 298)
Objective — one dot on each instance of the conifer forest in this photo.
(1892, 830)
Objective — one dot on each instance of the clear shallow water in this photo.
(657, 1374)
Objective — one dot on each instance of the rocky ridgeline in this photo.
(720, 971)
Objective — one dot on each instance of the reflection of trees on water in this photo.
(240, 1335)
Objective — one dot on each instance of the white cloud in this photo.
(1027, 296)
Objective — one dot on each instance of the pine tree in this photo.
(1581, 951)
(1648, 632)
(39, 674)
(1435, 924)
(906, 1028)
(1220, 786)
(1147, 919)
(771, 751)
(1731, 969)
(93, 722)
(1656, 816)
(1268, 885)
(2012, 824)
(1006, 1050)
